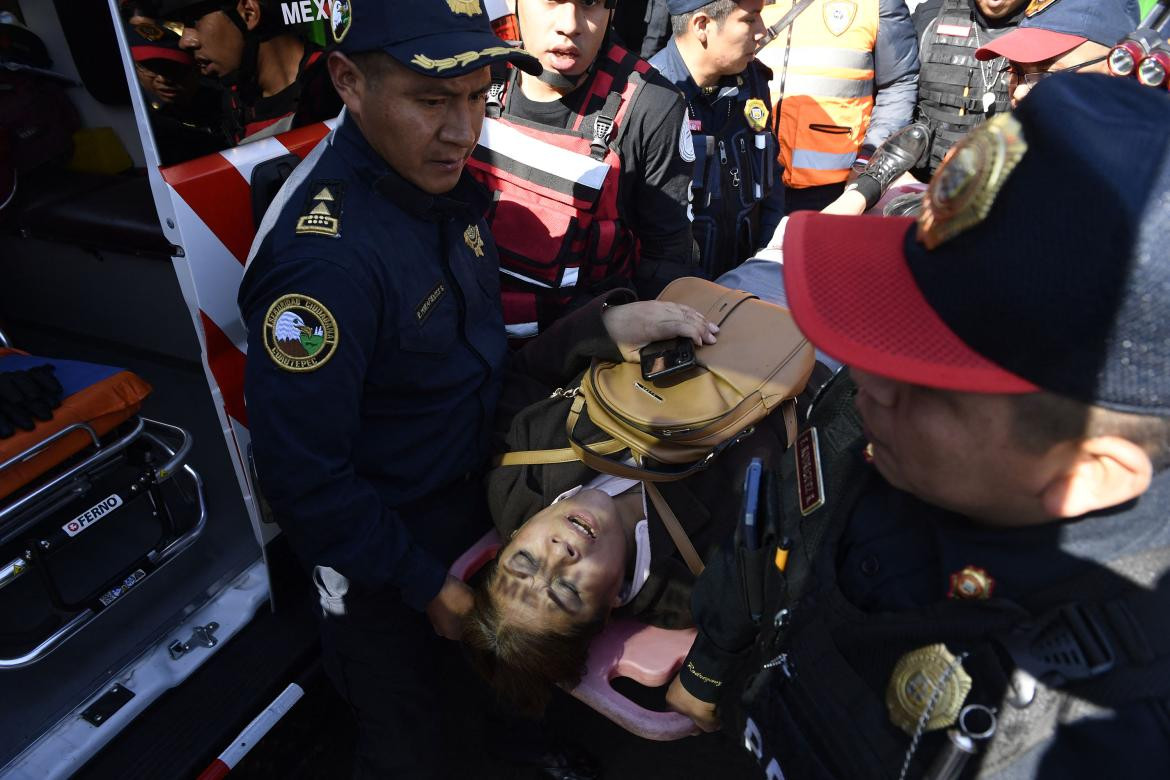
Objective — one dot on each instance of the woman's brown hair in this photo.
(519, 664)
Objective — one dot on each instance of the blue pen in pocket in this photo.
(751, 501)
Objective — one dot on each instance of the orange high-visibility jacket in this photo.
(823, 81)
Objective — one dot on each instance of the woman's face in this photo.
(565, 566)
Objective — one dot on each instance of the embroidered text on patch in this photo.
(424, 309)
(300, 334)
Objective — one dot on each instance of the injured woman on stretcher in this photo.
(580, 547)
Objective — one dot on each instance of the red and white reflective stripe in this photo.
(212, 197)
(253, 733)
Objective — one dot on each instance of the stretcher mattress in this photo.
(102, 396)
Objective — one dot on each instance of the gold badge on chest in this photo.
(930, 681)
(755, 111)
(473, 239)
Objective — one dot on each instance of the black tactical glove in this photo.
(27, 396)
(729, 595)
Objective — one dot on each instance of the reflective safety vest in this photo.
(822, 87)
(554, 212)
(953, 86)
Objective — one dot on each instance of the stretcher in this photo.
(625, 648)
(92, 502)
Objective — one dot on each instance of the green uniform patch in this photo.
(300, 334)
(322, 216)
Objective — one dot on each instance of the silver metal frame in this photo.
(152, 430)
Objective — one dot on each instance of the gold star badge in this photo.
(473, 239)
(924, 676)
(964, 187)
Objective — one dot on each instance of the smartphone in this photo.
(662, 358)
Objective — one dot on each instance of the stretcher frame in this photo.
(58, 489)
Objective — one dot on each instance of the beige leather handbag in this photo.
(675, 425)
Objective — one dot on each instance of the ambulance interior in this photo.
(93, 270)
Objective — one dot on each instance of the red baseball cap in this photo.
(1030, 44)
(1053, 27)
(1030, 267)
(853, 294)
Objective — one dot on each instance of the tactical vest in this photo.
(814, 694)
(733, 172)
(822, 87)
(555, 213)
(952, 83)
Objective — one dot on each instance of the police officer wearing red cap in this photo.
(375, 349)
(184, 113)
(711, 59)
(968, 573)
(1061, 35)
(589, 166)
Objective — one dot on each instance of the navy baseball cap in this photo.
(440, 38)
(1039, 262)
(1052, 27)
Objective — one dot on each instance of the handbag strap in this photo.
(546, 457)
(675, 529)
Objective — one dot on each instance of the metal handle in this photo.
(101, 455)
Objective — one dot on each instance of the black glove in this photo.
(726, 595)
(26, 396)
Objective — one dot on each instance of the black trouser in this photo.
(811, 198)
(384, 659)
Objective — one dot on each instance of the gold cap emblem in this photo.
(465, 7)
(964, 187)
(921, 676)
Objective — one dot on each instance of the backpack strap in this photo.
(1111, 650)
(495, 95)
(599, 461)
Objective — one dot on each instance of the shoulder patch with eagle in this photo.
(300, 334)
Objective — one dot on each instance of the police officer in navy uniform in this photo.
(967, 572)
(375, 343)
(711, 59)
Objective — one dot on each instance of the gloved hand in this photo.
(730, 589)
(26, 396)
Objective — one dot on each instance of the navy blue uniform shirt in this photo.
(375, 349)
